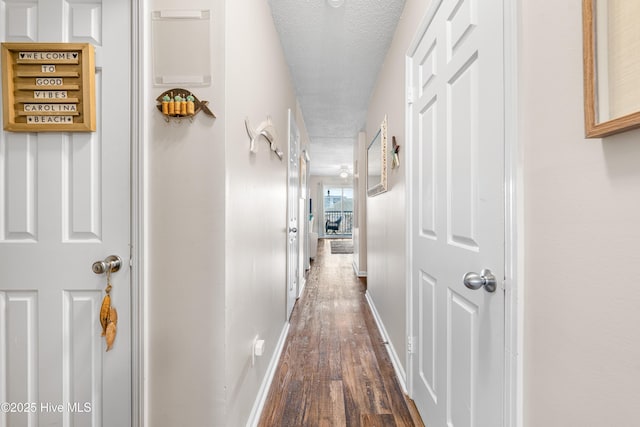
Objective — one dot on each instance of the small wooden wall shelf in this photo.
(178, 103)
(48, 87)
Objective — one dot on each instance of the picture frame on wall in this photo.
(611, 54)
(377, 161)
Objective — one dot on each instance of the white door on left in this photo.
(293, 243)
(64, 204)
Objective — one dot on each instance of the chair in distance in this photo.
(332, 226)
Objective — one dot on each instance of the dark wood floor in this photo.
(334, 369)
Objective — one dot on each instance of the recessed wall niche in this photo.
(181, 47)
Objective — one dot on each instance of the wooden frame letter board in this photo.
(48, 87)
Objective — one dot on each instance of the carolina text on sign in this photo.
(50, 107)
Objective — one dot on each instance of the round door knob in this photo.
(476, 281)
(99, 267)
(111, 263)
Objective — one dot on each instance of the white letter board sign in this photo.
(48, 87)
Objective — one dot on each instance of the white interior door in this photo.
(64, 203)
(456, 118)
(293, 249)
(303, 229)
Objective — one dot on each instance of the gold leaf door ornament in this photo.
(108, 315)
(111, 328)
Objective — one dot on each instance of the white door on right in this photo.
(456, 114)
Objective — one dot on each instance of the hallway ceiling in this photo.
(334, 55)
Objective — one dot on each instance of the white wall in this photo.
(386, 213)
(258, 84)
(185, 250)
(217, 215)
(582, 198)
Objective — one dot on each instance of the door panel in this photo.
(19, 207)
(82, 351)
(462, 356)
(427, 334)
(64, 203)
(428, 168)
(462, 151)
(82, 188)
(456, 213)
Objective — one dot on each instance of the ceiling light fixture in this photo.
(343, 173)
(335, 3)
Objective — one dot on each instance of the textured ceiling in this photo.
(334, 55)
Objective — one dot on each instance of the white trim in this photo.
(393, 355)
(514, 225)
(424, 25)
(303, 285)
(139, 358)
(261, 397)
(358, 273)
(408, 185)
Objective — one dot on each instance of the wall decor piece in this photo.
(611, 53)
(180, 103)
(395, 149)
(266, 130)
(48, 87)
(181, 46)
(377, 161)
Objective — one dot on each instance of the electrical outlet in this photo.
(253, 350)
(257, 349)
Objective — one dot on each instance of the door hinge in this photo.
(410, 345)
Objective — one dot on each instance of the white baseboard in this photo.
(395, 360)
(358, 273)
(304, 284)
(261, 398)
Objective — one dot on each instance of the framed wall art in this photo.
(611, 52)
(48, 87)
(377, 162)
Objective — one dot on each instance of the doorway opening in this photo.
(337, 211)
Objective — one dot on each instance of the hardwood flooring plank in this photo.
(337, 402)
(375, 420)
(334, 369)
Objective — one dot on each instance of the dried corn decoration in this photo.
(108, 315)
(111, 328)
